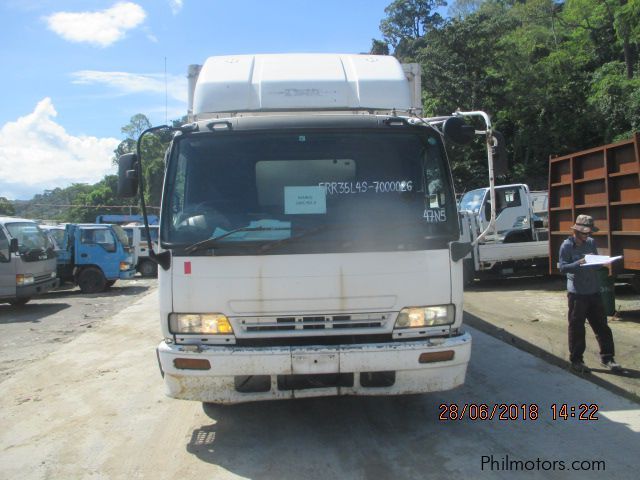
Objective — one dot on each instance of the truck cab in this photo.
(139, 243)
(95, 256)
(27, 261)
(514, 208)
(518, 243)
(309, 237)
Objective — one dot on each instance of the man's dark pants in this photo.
(588, 307)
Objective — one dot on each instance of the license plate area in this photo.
(315, 362)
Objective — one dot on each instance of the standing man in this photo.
(585, 302)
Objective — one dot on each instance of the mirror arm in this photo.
(161, 259)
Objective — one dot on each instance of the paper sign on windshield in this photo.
(305, 200)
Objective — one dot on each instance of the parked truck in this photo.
(27, 261)
(518, 243)
(94, 256)
(602, 182)
(121, 219)
(137, 235)
(309, 235)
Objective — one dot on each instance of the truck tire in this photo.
(148, 268)
(19, 302)
(92, 280)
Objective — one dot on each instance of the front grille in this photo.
(360, 321)
(300, 341)
(42, 278)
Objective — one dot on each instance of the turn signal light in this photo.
(432, 357)
(191, 364)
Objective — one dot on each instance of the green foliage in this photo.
(555, 77)
(6, 207)
(408, 20)
(616, 98)
(152, 151)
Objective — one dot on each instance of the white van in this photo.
(27, 261)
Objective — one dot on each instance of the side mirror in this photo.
(457, 131)
(128, 175)
(14, 247)
(499, 155)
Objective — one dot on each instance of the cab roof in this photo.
(290, 82)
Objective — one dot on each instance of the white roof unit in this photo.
(287, 82)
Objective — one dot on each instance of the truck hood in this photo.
(294, 284)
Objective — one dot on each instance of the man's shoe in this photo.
(580, 367)
(611, 365)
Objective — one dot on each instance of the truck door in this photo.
(512, 210)
(7, 268)
(98, 247)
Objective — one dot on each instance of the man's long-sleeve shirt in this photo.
(580, 280)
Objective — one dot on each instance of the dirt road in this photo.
(530, 313)
(35, 330)
(94, 408)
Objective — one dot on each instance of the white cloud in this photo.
(36, 153)
(176, 6)
(128, 83)
(101, 28)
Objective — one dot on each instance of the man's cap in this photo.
(584, 224)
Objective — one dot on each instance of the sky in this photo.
(76, 71)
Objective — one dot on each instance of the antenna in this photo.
(166, 121)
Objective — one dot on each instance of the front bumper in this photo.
(36, 289)
(127, 274)
(228, 365)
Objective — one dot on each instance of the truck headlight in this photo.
(124, 266)
(24, 279)
(416, 317)
(200, 323)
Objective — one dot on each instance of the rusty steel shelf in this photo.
(603, 182)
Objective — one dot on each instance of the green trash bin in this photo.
(607, 291)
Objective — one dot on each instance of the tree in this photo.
(463, 8)
(409, 20)
(378, 47)
(6, 207)
(152, 152)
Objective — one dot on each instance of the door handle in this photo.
(83, 255)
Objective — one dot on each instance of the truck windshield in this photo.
(32, 242)
(308, 192)
(472, 201)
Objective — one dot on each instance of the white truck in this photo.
(518, 243)
(138, 240)
(309, 236)
(27, 261)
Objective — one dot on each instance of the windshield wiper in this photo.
(209, 242)
(309, 231)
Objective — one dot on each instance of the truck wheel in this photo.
(19, 302)
(148, 269)
(91, 280)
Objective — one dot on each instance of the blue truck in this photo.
(94, 256)
(122, 219)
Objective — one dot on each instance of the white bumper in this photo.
(218, 383)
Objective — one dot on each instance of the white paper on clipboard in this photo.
(591, 260)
